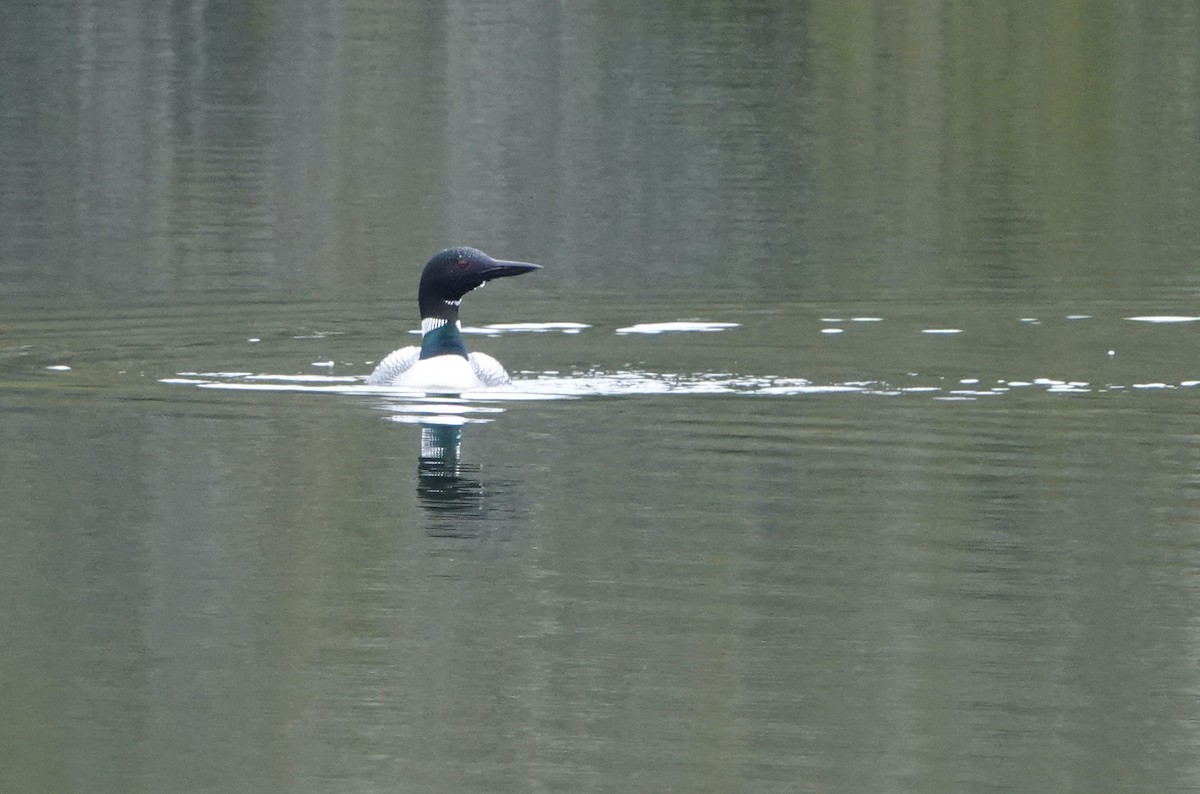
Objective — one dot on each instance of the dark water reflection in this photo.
(441, 484)
(916, 513)
(457, 503)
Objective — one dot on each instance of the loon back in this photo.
(441, 364)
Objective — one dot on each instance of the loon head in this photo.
(453, 273)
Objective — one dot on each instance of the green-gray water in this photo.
(919, 511)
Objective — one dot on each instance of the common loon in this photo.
(441, 364)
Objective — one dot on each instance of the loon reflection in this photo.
(455, 500)
(443, 480)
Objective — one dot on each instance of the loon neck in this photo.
(441, 336)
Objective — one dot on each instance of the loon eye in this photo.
(462, 263)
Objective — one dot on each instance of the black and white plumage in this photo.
(441, 364)
(450, 373)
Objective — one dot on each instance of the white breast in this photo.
(451, 374)
(441, 374)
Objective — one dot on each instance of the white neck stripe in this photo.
(433, 323)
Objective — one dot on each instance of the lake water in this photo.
(853, 444)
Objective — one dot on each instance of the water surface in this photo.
(851, 446)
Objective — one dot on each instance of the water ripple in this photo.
(678, 326)
(553, 385)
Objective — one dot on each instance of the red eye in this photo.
(461, 263)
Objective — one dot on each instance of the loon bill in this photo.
(441, 364)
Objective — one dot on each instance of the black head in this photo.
(455, 272)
